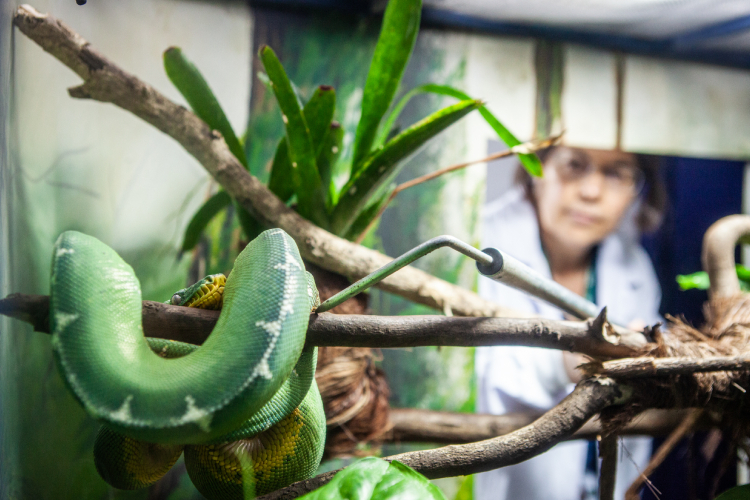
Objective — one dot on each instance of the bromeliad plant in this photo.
(302, 172)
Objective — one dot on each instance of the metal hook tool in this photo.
(491, 263)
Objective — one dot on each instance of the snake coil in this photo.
(244, 406)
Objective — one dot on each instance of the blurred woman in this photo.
(579, 225)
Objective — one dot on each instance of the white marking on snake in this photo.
(273, 328)
(123, 414)
(202, 418)
(62, 320)
(63, 251)
(264, 370)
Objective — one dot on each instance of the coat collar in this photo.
(623, 269)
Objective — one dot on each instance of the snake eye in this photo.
(176, 299)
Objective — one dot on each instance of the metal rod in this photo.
(403, 261)
(509, 271)
(491, 263)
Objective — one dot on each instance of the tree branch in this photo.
(559, 423)
(651, 367)
(106, 82)
(441, 427)
(191, 325)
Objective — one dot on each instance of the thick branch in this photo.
(650, 367)
(426, 426)
(559, 423)
(191, 325)
(106, 82)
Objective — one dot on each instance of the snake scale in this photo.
(243, 407)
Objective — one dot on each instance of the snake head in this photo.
(207, 293)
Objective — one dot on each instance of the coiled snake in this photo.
(244, 406)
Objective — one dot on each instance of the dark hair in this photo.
(653, 195)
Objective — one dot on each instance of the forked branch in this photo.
(104, 81)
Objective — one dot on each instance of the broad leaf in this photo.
(202, 217)
(530, 161)
(194, 88)
(401, 482)
(375, 479)
(395, 44)
(305, 177)
(382, 166)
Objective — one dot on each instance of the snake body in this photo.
(244, 406)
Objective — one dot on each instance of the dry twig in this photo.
(525, 148)
(685, 427)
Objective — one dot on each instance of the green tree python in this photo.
(244, 407)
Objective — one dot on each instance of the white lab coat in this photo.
(522, 379)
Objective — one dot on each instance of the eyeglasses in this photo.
(573, 166)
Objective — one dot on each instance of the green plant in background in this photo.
(700, 279)
(306, 163)
(375, 479)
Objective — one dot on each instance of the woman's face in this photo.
(585, 193)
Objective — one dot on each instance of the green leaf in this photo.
(327, 156)
(383, 164)
(280, 182)
(395, 44)
(399, 481)
(375, 479)
(305, 177)
(743, 273)
(194, 88)
(318, 113)
(250, 225)
(363, 220)
(736, 493)
(530, 162)
(202, 217)
(697, 280)
(701, 281)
